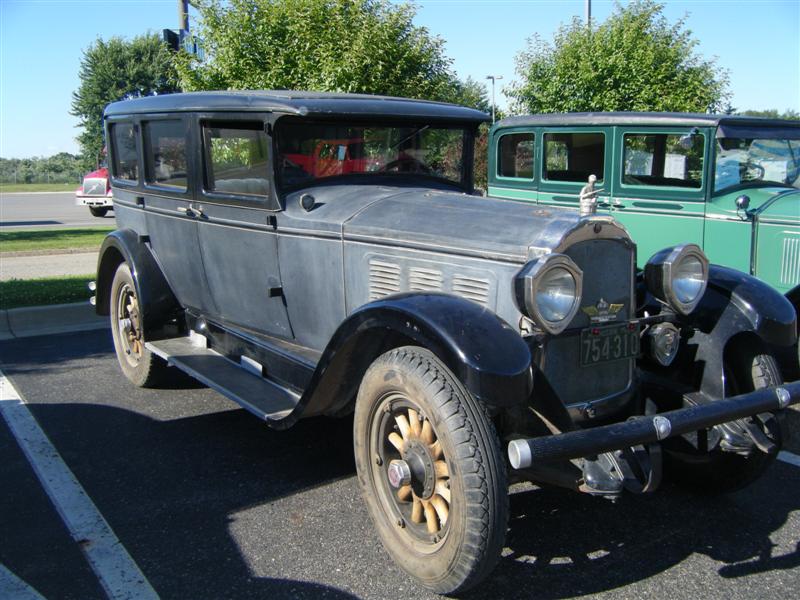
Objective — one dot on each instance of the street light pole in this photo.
(493, 78)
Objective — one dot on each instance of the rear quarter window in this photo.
(125, 165)
(515, 156)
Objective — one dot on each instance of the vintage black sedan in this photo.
(318, 254)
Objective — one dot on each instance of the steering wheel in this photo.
(406, 164)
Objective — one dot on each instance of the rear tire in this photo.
(100, 211)
(446, 527)
(140, 366)
(747, 369)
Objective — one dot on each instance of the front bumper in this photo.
(523, 453)
(94, 201)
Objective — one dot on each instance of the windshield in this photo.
(742, 161)
(311, 151)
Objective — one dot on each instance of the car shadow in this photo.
(172, 488)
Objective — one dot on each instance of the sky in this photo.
(42, 41)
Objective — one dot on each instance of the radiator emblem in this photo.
(602, 312)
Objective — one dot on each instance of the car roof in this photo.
(644, 118)
(313, 104)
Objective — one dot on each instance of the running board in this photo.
(240, 383)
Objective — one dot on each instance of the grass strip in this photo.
(44, 291)
(13, 188)
(52, 239)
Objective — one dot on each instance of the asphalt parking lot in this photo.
(209, 503)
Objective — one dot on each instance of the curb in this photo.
(30, 321)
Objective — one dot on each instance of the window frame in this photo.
(258, 122)
(146, 153)
(468, 136)
(658, 192)
(112, 144)
(573, 188)
(498, 141)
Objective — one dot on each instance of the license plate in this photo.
(604, 344)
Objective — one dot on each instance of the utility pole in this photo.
(589, 14)
(183, 17)
(493, 78)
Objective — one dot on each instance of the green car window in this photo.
(770, 161)
(666, 160)
(515, 156)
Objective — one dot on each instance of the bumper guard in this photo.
(648, 429)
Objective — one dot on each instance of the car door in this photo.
(236, 224)
(167, 199)
(569, 156)
(659, 186)
(777, 241)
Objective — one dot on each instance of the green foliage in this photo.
(634, 61)
(44, 291)
(113, 70)
(45, 240)
(59, 168)
(367, 46)
(772, 113)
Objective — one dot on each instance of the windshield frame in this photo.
(466, 182)
(753, 183)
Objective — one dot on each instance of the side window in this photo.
(515, 156)
(126, 158)
(574, 156)
(237, 160)
(165, 153)
(661, 159)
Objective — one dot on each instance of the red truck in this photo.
(95, 192)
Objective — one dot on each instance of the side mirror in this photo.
(743, 202)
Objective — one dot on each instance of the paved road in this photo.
(212, 504)
(30, 211)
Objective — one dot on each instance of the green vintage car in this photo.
(727, 183)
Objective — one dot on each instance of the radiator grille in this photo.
(790, 262)
(384, 279)
(424, 280)
(472, 288)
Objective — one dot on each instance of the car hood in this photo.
(462, 224)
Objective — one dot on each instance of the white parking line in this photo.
(790, 458)
(13, 588)
(114, 567)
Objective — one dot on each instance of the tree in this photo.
(367, 46)
(772, 113)
(113, 70)
(634, 61)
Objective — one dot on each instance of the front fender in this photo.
(736, 303)
(491, 360)
(156, 299)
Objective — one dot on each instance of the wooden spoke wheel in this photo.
(431, 470)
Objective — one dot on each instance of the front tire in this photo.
(445, 525)
(140, 366)
(100, 211)
(747, 368)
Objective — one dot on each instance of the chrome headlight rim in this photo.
(528, 284)
(662, 270)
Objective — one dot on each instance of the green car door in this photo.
(659, 186)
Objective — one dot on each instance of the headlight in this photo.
(548, 290)
(678, 276)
